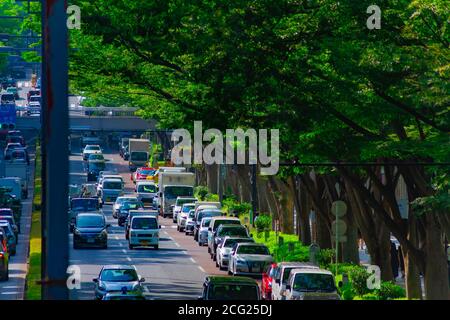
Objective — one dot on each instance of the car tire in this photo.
(214, 258)
(156, 247)
(178, 228)
(217, 264)
(229, 272)
(209, 250)
(200, 244)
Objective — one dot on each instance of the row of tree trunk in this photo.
(373, 214)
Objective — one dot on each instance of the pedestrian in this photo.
(394, 259)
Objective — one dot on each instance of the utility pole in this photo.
(254, 193)
(55, 131)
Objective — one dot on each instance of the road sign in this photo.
(339, 208)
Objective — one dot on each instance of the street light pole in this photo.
(55, 149)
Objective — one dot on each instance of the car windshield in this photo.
(147, 171)
(92, 148)
(253, 250)
(144, 223)
(204, 214)
(314, 282)
(122, 200)
(119, 275)
(206, 222)
(180, 202)
(233, 232)
(96, 157)
(115, 185)
(84, 204)
(220, 222)
(131, 205)
(230, 242)
(177, 191)
(90, 221)
(186, 209)
(146, 188)
(139, 156)
(233, 292)
(98, 166)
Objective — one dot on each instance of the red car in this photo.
(266, 283)
(142, 173)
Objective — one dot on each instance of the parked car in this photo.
(119, 202)
(203, 231)
(214, 224)
(179, 204)
(230, 288)
(11, 239)
(189, 227)
(281, 275)
(232, 230)
(224, 249)
(203, 213)
(12, 222)
(91, 149)
(90, 230)
(144, 231)
(266, 283)
(183, 215)
(311, 284)
(4, 257)
(113, 278)
(133, 213)
(249, 259)
(125, 208)
(146, 191)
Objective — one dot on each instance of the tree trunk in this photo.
(436, 272)
(303, 216)
(212, 177)
(412, 278)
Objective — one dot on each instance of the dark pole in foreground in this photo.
(254, 193)
(55, 132)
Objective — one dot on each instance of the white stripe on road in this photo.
(120, 244)
(12, 292)
(192, 259)
(177, 244)
(201, 269)
(124, 251)
(116, 237)
(129, 259)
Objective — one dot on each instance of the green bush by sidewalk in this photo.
(33, 290)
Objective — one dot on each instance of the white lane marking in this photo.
(120, 244)
(129, 259)
(192, 259)
(11, 292)
(116, 237)
(201, 269)
(11, 287)
(177, 244)
(124, 251)
(146, 289)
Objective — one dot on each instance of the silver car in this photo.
(223, 250)
(190, 222)
(119, 202)
(249, 259)
(117, 278)
(203, 231)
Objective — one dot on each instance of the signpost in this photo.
(338, 227)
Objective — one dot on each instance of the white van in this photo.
(311, 284)
(144, 232)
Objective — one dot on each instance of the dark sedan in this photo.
(90, 231)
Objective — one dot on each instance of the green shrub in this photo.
(200, 192)
(346, 292)
(358, 278)
(211, 197)
(367, 296)
(389, 290)
(325, 257)
(263, 222)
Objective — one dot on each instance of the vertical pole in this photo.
(55, 131)
(254, 194)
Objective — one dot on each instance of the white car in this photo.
(183, 215)
(179, 204)
(144, 231)
(224, 249)
(282, 274)
(311, 284)
(190, 222)
(91, 149)
(249, 259)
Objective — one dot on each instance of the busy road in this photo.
(175, 271)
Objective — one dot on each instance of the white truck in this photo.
(171, 185)
(17, 169)
(138, 150)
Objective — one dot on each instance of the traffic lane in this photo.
(169, 272)
(14, 288)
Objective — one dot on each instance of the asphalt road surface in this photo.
(176, 271)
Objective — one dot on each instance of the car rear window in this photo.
(217, 223)
(247, 249)
(233, 292)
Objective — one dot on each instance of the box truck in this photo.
(171, 185)
(138, 150)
